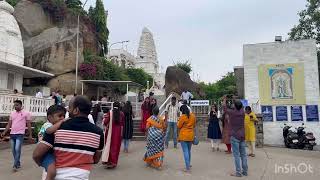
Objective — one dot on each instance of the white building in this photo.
(122, 58)
(281, 82)
(12, 69)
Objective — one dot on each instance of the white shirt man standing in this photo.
(39, 94)
(186, 95)
(172, 111)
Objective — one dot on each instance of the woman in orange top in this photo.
(155, 140)
(186, 125)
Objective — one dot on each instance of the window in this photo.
(10, 82)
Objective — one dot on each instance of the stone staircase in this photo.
(137, 134)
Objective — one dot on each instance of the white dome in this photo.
(11, 45)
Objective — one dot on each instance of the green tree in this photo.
(74, 4)
(309, 25)
(226, 85)
(98, 16)
(139, 76)
(185, 66)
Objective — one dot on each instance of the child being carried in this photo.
(55, 115)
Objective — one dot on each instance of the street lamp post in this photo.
(77, 54)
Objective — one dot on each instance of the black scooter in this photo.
(299, 139)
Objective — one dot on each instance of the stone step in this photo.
(138, 138)
(138, 134)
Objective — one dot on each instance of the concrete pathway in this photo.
(207, 165)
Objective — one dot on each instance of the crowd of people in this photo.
(69, 143)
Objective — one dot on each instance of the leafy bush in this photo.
(37, 127)
(226, 85)
(88, 71)
(139, 76)
(185, 66)
(99, 68)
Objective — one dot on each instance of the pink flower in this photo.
(88, 70)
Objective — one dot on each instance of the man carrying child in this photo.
(77, 144)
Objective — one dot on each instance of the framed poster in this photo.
(296, 113)
(281, 113)
(312, 112)
(244, 102)
(281, 84)
(267, 114)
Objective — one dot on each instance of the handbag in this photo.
(195, 139)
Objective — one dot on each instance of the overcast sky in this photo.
(210, 33)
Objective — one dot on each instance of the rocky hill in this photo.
(178, 80)
(50, 45)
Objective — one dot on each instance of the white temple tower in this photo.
(147, 55)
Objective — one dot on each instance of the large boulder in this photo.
(178, 80)
(50, 45)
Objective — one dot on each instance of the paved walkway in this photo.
(207, 165)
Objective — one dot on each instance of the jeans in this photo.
(16, 141)
(186, 149)
(239, 152)
(126, 144)
(172, 127)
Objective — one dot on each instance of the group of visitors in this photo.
(69, 143)
(156, 132)
(159, 129)
(238, 129)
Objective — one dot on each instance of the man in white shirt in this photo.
(186, 95)
(172, 111)
(39, 94)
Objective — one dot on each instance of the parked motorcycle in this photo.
(299, 139)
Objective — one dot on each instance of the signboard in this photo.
(296, 113)
(312, 112)
(244, 102)
(267, 114)
(199, 103)
(281, 113)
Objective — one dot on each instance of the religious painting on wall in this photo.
(282, 84)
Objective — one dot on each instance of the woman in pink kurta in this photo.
(113, 138)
